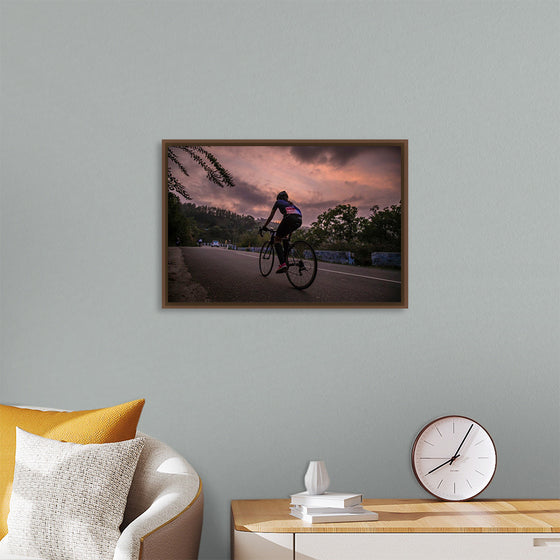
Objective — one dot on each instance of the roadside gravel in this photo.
(180, 286)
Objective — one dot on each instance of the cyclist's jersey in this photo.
(287, 208)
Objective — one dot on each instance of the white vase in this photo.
(316, 478)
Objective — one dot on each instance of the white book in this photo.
(312, 510)
(328, 499)
(364, 515)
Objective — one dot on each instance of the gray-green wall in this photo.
(89, 89)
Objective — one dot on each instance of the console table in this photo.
(406, 529)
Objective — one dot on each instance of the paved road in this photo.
(234, 277)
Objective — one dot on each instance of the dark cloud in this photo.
(243, 198)
(339, 156)
(310, 154)
(252, 196)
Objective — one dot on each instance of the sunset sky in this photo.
(316, 178)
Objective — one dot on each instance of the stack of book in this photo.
(330, 507)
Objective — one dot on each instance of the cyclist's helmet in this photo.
(282, 196)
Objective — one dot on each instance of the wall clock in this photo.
(454, 458)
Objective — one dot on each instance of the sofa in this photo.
(164, 509)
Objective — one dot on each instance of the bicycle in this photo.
(300, 260)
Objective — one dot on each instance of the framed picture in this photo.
(285, 223)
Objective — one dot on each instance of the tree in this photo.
(181, 230)
(215, 172)
(338, 226)
(250, 238)
(383, 228)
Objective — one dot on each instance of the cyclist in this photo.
(290, 222)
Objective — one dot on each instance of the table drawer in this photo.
(262, 546)
(427, 546)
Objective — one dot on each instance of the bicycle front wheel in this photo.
(266, 259)
(302, 265)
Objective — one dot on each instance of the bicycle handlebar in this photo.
(269, 230)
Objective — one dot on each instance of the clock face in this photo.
(454, 458)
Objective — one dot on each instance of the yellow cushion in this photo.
(104, 425)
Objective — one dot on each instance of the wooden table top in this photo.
(409, 516)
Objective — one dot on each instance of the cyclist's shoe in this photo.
(282, 268)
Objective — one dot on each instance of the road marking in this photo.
(360, 275)
(255, 255)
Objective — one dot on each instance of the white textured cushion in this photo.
(68, 499)
(16, 557)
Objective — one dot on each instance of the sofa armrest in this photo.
(158, 533)
(163, 516)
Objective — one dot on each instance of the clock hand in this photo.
(461, 445)
(443, 464)
(456, 455)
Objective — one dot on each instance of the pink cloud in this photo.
(316, 178)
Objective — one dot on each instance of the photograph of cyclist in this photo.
(292, 220)
(285, 223)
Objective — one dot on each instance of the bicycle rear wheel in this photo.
(302, 265)
(266, 258)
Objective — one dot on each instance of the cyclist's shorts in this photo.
(289, 223)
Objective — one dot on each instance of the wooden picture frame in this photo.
(349, 251)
